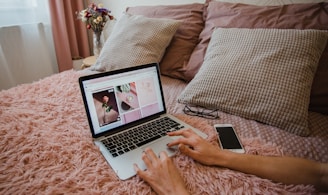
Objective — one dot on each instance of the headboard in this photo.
(118, 7)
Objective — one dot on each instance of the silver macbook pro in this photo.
(126, 113)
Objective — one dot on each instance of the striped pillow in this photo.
(260, 74)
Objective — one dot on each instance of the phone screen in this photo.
(228, 138)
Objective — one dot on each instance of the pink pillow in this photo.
(177, 54)
(293, 16)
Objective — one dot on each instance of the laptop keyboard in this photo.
(139, 136)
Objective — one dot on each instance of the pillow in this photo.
(177, 54)
(293, 16)
(259, 74)
(136, 40)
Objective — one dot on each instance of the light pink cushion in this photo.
(293, 16)
(174, 62)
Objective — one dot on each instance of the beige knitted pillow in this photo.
(136, 40)
(260, 74)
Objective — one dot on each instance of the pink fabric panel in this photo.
(70, 35)
(294, 16)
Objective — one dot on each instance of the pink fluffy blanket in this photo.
(46, 148)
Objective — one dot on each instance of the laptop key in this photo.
(120, 152)
(112, 151)
(114, 154)
(148, 140)
(132, 147)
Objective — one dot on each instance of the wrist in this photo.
(223, 158)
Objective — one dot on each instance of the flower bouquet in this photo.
(95, 17)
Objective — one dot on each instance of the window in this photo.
(16, 12)
(14, 4)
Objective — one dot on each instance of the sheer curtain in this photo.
(26, 45)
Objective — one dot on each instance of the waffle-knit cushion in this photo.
(260, 74)
(136, 40)
(177, 54)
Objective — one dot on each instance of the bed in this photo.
(46, 145)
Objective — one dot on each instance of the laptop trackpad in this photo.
(161, 145)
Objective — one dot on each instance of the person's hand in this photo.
(196, 147)
(161, 174)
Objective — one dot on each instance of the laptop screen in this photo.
(118, 98)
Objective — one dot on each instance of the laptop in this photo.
(126, 114)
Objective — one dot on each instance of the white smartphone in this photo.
(228, 138)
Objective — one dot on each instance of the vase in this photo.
(98, 42)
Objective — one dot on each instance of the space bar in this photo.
(148, 140)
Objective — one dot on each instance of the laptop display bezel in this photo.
(131, 124)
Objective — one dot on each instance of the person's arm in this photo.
(287, 170)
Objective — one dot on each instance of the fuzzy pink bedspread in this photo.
(46, 148)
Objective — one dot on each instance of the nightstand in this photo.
(88, 61)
